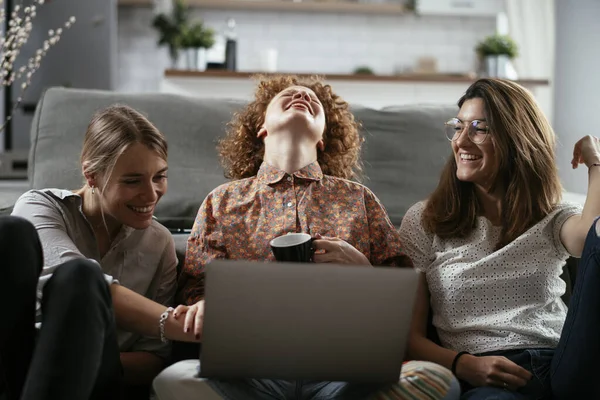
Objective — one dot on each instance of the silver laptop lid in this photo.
(306, 321)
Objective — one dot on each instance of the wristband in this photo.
(459, 355)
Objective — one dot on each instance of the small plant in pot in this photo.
(496, 52)
(170, 26)
(196, 39)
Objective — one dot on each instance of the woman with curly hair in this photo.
(294, 156)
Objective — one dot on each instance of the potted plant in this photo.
(196, 39)
(496, 52)
(170, 26)
(363, 70)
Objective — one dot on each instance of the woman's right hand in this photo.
(492, 371)
(194, 317)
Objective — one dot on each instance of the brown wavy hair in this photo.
(242, 151)
(524, 145)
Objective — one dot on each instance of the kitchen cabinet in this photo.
(473, 8)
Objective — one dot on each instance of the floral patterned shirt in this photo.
(238, 219)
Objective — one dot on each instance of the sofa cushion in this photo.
(404, 150)
(180, 239)
(190, 125)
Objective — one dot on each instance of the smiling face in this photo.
(137, 182)
(475, 163)
(298, 110)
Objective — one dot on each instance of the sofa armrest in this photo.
(180, 238)
(10, 191)
(5, 211)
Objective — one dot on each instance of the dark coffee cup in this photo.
(293, 247)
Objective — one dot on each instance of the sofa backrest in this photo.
(404, 151)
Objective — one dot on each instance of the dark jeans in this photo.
(75, 354)
(537, 361)
(272, 389)
(571, 371)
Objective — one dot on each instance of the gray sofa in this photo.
(404, 151)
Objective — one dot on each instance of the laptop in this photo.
(296, 321)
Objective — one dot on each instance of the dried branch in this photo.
(20, 26)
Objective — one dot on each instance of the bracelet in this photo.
(161, 324)
(459, 355)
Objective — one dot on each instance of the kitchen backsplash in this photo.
(311, 42)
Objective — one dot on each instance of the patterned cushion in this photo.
(420, 380)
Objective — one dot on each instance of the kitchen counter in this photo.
(449, 78)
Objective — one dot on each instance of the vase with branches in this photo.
(12, 42)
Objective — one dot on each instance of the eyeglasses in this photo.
(476, 130)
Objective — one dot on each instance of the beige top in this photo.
(485, 299)
(141, 260)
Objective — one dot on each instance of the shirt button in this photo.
(289, 204)
(289, 178)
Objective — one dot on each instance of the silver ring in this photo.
(505, 385)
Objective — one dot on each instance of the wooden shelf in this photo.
(285, 5)
(427, 78)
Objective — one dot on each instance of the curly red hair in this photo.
(242, 151)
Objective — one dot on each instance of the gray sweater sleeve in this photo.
(48, 219)
(166, 282)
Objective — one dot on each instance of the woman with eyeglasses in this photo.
(491, 242)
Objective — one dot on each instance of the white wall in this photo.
(577, 83)
(311, 42)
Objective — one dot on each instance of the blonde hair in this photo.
(111, 132)
(242, 152)
(524, 144)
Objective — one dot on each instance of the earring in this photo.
(93, 189)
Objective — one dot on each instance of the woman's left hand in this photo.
(194, 318)
(337, 251)
(586, 151)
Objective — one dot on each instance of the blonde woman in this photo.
(61, 248)
(492, 240)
